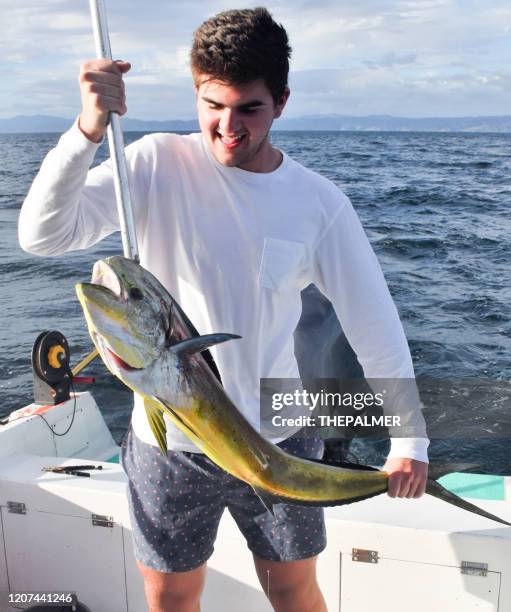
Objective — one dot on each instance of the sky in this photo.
(410, 58)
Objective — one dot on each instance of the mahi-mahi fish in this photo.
(148, 342)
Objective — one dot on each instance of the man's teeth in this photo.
(230, 139)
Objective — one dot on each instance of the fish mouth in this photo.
(105, 286)
(120, 363)
(112, 357)
(105, 276)
(107, 305)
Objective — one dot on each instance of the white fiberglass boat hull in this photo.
(60, 532)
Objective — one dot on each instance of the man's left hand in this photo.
(407, 477)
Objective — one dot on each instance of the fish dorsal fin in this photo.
(156, 423)
(198, 344)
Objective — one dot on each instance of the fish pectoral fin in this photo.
(267, 499)
(156, 423)
(180, 424)
(200, 343)
(193, 333)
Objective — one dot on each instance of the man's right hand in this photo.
(102, 91)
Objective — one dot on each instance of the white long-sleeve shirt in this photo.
(235, 248)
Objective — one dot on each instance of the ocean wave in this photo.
(434, 206)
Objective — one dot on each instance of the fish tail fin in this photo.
(437, 490)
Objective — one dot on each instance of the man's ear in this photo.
(279, 107)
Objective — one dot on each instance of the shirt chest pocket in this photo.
(281, 264)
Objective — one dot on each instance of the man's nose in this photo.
(229, 121)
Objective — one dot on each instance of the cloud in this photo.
(352, 92)
(391, 59)
(390, 54)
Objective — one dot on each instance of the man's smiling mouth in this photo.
(230, 141)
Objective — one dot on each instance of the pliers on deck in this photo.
(72, 470)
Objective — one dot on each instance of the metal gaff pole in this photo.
(116, 141)
(116, 146)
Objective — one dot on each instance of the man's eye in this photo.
(248, 111)
(213, 107)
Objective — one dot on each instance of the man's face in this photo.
(235, 121)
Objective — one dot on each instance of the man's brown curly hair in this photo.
(241, 46)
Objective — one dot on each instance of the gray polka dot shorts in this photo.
(176, 504)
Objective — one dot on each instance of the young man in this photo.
(234, 229)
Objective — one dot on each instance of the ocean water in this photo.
(436, 209)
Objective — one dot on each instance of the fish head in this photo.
(129, 316)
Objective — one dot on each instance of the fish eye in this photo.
(136, 294)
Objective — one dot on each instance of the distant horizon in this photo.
(284, 117)
(23, 124)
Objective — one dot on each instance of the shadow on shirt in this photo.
(323, 351)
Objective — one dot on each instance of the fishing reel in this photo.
(50, 368)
